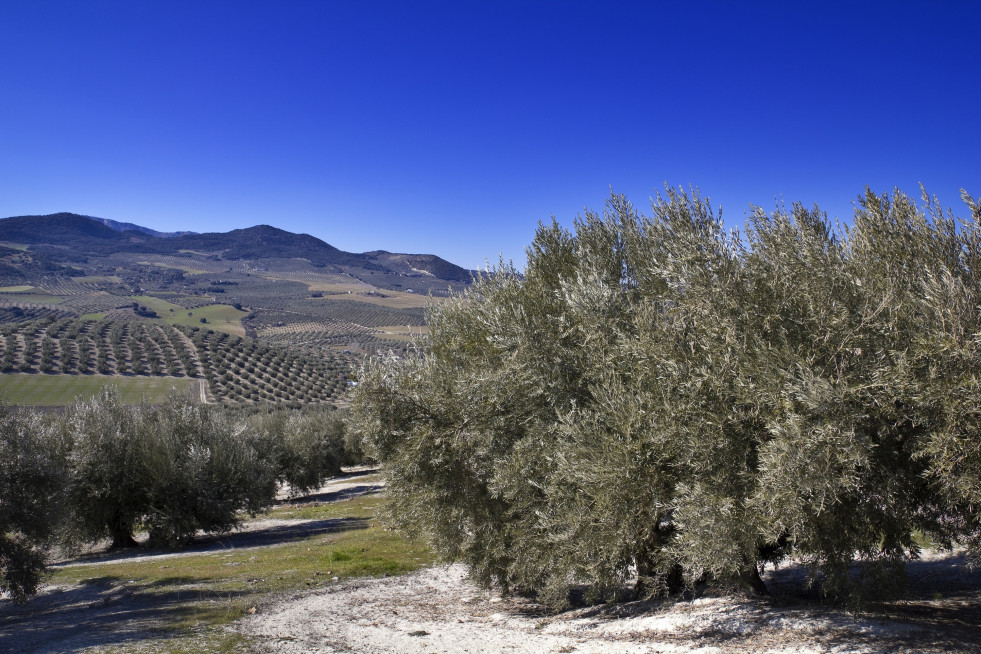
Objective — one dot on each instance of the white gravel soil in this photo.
(439, 610)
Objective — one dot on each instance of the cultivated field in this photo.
(47, 362)
(61, 390)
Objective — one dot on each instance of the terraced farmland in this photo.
(236, 370)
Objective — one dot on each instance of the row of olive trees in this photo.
(661, 398)
(105, 470)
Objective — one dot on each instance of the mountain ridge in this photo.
(47, 235)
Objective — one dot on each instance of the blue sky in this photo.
(455, 127)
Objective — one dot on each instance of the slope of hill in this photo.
(71, 238)
(130, 227)
(234, 370)
(291, 292)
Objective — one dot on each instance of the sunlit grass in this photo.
(364, 507)
(315, 561)
(196, 594)
(219, 317)
(40, 389)
(36, 298)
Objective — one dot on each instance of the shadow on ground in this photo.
(333, 496)
(274, 534)
(102, 612)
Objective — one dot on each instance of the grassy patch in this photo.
(220, 317)
(162, 307)
(61, 390)
(187, 269)
(402, 332)
(193, 595)
(383, 298)
(361, 508)
(315, 561)
(35, 298)
(93, 316)
(15, 289)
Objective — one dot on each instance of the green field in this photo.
(189, 270)
(98, 279)
(35, 298)
(16, 289)
(219, 317)
(61, 390)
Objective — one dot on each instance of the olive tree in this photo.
(174, 470)
(307, 447)
(665, 399)
(32, 472)
(107, 491)
(203, 471)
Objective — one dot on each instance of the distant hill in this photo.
(56, 229)
(81, 296)
(131, 227)
(68, 238)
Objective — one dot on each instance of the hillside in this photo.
(71, 238)
(276, 289)
(124, 227)
(234, 370)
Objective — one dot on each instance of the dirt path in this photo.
(438, 610)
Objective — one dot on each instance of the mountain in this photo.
(68, 238)
(55, 229)
(130, 227)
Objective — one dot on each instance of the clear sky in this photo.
(454, 127)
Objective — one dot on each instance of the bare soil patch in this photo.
(439, 610)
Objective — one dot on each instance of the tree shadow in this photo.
(332, 496)
(276, 534)
(103, 612)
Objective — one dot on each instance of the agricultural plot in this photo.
(236, 370)
(392, 299)
(244, 371)
(193, 265)
(31, 298)
(221, 317)
(60, 390)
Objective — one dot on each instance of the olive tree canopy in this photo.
(660, 397)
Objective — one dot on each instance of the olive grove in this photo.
(104, 470)
(661, 399)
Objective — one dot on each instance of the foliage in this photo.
(32, 470)
(662, 397)
(203, 472)
(108, 490)
(178, 469)
(307, 446)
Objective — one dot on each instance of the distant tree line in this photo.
(104, 470)
(660, 399)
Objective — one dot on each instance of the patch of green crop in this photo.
(362, 507)
(35, 298)
(60, 390)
